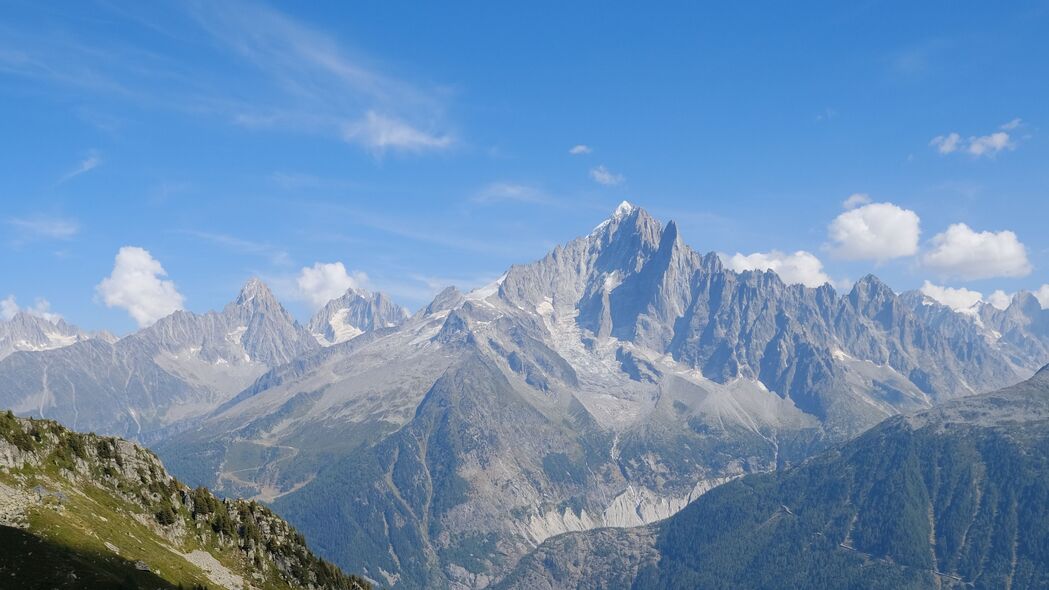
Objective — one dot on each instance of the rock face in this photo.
(948, 497)
(355, 312)
(145, 529)
(183, 366)
(607, 384)
(29, 332)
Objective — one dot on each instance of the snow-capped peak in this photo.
(624, 209)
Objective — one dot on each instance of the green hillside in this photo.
(84, 511)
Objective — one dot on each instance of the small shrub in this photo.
(166, 515)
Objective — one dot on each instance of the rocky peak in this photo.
(354, 312)
(1025, 303)
(626, 239)
(256, 294)
(27, 331)
(447, 299)
(872, 298)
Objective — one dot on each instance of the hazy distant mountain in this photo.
(952, 497)
(182, 366)
(355, 312)
(1020, 332)
(30, 332)
(608, 384)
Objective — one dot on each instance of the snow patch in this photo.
(482, 293)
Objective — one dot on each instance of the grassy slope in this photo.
(89, 518)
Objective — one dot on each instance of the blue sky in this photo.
(427, 144)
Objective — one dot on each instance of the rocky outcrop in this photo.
(133, 509)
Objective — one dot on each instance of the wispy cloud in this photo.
(380, 133)
(579, 150)
(602, 175)
(277, 256)
(827, 114)
(510, 191)
(55, 228)
(444, 233)
(271, 72)
(322, 87)
(89, 163)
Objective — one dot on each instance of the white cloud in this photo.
(1042, 294)
(136, 286)
(510, 191)
(262, 69)
(1000, 299)
(277, 256)
(41, 309)
(89, 163)
(800, 267)
(324, 281)
(46, 227)
(988, 145)
(380, 133)
(8, 307)
(959, 299)
(579, 150)
(963, 253)
(855, 200)
(978, 145)
(876, 231)
(602, 175)
(1015, 123)
(946, 144)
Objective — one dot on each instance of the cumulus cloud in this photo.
(8, 307)
(136, 286)
(958, 299)
(801, 267)
(967, 254)
(855, 200)
(41, 309)
(602, 175)
(579, 150)
(875, 231)
(324, 281)
(946, 144)
(1000, 299)
(1042, 294)
(978, 145)
(381, 133)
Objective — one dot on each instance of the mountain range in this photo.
(609, 384)
(951, 497)
(29, 332)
